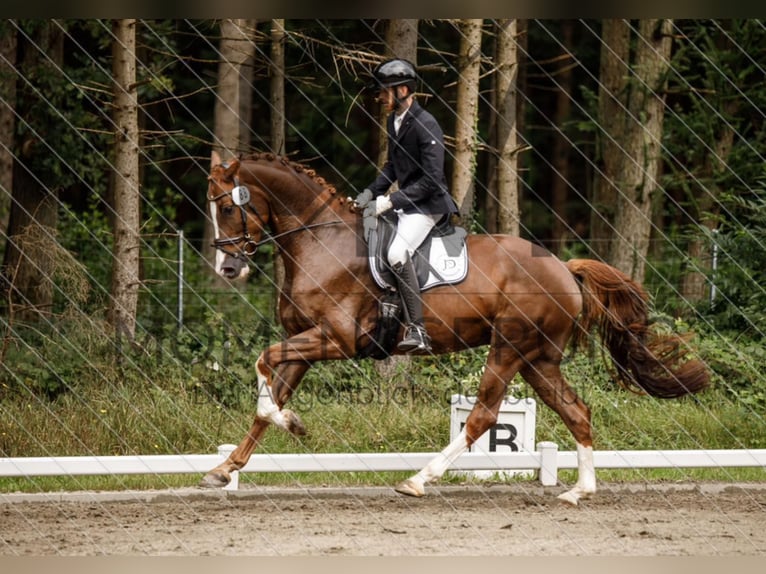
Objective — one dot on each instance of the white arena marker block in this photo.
(513, 432)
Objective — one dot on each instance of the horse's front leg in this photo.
(272, 395)
(289, 375)
(279, 369)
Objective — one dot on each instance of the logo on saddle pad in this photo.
(442, 259)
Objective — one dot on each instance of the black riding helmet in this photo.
(394, 73)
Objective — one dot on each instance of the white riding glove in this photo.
(382, 204)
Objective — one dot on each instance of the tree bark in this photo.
(401, 42)
(467, 111)
(7, 117)
(234, 91)
(507, 140)
(489, 201)
(278, 143)
(640, 170)
(277, 85)
(560, 160)
(123, 303)
(612, 103)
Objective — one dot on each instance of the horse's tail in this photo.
(618, 308)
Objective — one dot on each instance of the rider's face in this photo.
(386, 99)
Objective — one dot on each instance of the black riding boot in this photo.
(415, 337)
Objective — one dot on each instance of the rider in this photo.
(416, 163)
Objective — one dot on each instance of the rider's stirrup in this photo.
(415, 340)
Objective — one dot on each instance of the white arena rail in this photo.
(546, 460)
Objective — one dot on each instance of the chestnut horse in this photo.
(519, 299)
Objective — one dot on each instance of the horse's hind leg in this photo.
(483, 416)
(289, 375)
(546, 379)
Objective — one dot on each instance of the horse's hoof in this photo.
(574, 495)
(214, 480)
(568, 497)
(410, 488)
(293, 423)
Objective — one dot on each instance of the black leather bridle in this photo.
(250, 244)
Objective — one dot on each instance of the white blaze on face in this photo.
(219, 255)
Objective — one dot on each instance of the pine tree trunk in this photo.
(234, 92)
(560, 160)
(507, 141)
(401, 42)
(277, 85)
(640, 170)
(467, 110)
(278, 143)
(7, 118)
(123, 303)
(612, 106)
(488, 202)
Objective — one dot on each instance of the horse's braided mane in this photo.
(293, 165)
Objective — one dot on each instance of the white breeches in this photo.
(411, 231)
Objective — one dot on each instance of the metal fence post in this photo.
(180, 315)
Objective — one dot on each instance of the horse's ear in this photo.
(232, 169)
(215, 159)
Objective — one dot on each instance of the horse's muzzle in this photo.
(233, 267)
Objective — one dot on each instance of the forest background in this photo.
(638, 142)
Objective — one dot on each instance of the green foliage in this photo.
(740, 279)
(737, 367)
(715, 92)
(45, 361)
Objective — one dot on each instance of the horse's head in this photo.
(239, 213)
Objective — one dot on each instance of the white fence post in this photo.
(549, 466)
(224, 451)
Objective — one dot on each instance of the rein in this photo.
(221, 243)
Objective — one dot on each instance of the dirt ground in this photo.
(519, 519)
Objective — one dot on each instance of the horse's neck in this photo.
(296, 200)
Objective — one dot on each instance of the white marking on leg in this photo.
(439, 465)
(586, 476)
(586, 471)
(267, 408)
